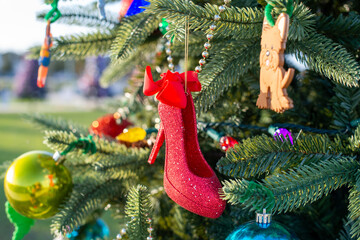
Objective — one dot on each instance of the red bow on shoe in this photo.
(170, 87)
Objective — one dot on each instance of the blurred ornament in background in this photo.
(25, 80)
(101, 9)
(163, 26)
(227, 142)
(124, 7)
(89, 82)
(35, 185)
(261, 229)
(135, 7)
(121, 234)
(45, 55)
(135, 137)
(94, 230)
(110, 125)
(283, 133)
(132, 135)
(21, 223)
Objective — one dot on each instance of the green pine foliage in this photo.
(294, 188)
(59, 141)
(345, 104)
(132, 33)
(307, 184)
(302, 23)
(310, 186)
(138, 210)
(347, 27)
(80, 46)
(354, 217)
(121, 67)
(355, 139)
(227, 67)
(51, 123)
(237, 23)
(78, 15)
(86, 197)
(264, 155)
(252, 195)
(117, 70)
(325, 57)
(345, 233)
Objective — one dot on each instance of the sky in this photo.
(19, 28)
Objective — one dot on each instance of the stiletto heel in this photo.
(157, 145)
(188, 179)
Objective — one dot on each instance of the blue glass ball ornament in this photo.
(91, 231)
(255, 231)
(135, 7)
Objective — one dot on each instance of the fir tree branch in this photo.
(196, 45)
(124, 167)
(345, 232)
(354, 208)
(119, 68)
(138, 209)
(354, 202)
(112, 162)
(294, 188)
(355, 139)
(33, 52)
(85, 199)
(306, 184)
(302, 22)
(252, 195)
(347, 29)
(226, 69)
(58, 124)
(262, 154)
(239, 213)
(77, 15)
(59, 141)
(344, 105)
(236, 22)
(327, 58)
(133, 32)
(221, 227)
(79, 46)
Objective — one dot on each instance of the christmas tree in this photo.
(311, 185)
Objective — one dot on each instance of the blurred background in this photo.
(72, 90)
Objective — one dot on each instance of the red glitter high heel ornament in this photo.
(188, 179)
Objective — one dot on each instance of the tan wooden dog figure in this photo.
(273, 78)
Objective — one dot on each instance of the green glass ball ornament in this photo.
(261, 229)
(35, 185)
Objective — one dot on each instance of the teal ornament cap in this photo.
(253, 231)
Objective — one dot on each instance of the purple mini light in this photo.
(283, 132)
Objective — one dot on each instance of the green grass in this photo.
(19, 136)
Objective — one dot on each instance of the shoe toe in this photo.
(201, 198)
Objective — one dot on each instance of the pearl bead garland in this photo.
(210, 36)
(150, 230)
(207, 45)
(168, 51)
